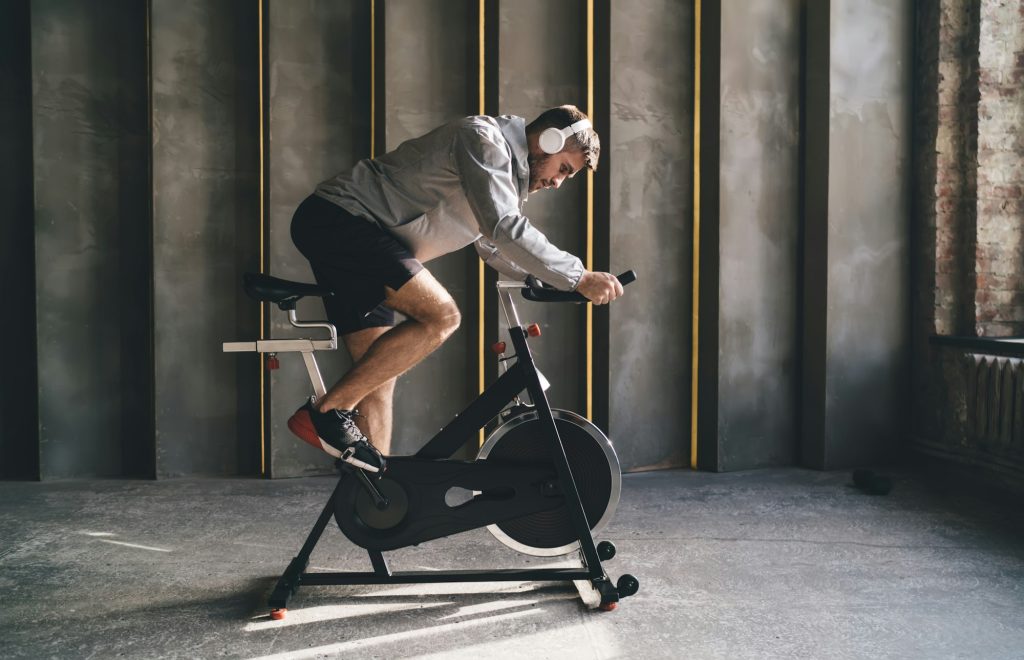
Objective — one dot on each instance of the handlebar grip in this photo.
(541, 294)
(628, 277)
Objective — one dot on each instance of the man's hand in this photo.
(599, 288)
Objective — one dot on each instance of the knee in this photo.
(445, 320)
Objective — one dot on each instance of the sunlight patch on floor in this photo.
(335, 612)
(587, 639)
(358, 644)
(136, 545)
(101, 536)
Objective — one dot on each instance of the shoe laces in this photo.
(348, 421)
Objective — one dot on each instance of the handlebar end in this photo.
(538, 293)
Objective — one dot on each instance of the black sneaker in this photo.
(336, 433)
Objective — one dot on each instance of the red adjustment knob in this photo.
(533, 330)
(498, 347)
(272, 362)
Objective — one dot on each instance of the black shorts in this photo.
(356, 259)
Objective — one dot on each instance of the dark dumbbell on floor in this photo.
(871, 483)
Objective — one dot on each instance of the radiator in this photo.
(995, 401)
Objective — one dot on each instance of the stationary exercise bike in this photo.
(542, 483)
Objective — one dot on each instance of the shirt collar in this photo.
(514, 130)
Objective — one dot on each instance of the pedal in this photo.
(379, 500)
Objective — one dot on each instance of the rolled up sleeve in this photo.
(485, 170)
(496, 260)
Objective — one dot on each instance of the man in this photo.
(367, 233)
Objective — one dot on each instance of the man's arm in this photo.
(496, 260)
(485, 169)
(599, 288)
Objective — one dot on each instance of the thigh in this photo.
(422, 298)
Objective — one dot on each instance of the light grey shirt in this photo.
(464, 182)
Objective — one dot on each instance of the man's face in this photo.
(550, 170)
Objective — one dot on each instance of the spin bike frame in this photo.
(523, 375)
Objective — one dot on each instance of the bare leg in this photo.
(375, 409)
(432, 318)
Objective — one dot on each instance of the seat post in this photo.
(314, 374)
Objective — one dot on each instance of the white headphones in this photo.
(552, 140)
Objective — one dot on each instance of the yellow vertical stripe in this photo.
(590, 211)
(263, 430)
(696, 232)
(481, 284)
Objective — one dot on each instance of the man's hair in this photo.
(585, 142)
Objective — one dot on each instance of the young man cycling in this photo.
(368, 232)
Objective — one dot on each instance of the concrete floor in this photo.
(774, 563)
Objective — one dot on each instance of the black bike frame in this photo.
(523, 375)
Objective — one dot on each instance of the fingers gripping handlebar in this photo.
(537, 291)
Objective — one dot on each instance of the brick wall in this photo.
(999, 298)
(952, 105)
(970, 164)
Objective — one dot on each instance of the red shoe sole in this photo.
(302, 426)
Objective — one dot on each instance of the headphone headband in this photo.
(578, 127)
(552, 140)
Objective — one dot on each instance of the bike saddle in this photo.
(283, 292)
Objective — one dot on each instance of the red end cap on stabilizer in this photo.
(533, 330)
(278, 614)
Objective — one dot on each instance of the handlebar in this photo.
(537, 291)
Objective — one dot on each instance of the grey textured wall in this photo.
(316, 129)
(759, 232)
(868, 307)
(649, 151)
(205, 219)
(550, 71)
(89, 164)
(141, 239)
(426, 79)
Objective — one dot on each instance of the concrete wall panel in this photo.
(205, 201)
(427, 75)
(19, 420)
(316, 130)
(868, 276)
(649, 151)
(542, 64)
(86, 137)
(759, 225)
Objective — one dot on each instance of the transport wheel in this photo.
(627, 585)
(605, 550)
(595, 469)
(278, 614)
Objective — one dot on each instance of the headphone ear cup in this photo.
(551, 140)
